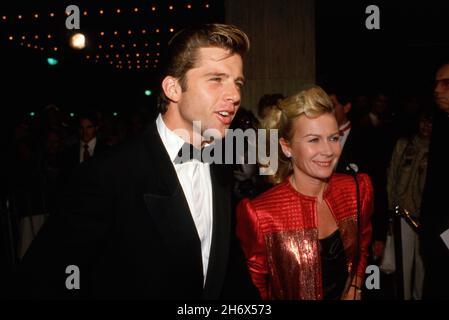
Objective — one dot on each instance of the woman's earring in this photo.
(288, 154)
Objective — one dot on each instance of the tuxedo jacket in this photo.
(72, 154)
(129, 231)
(435, 212)
(369, 152)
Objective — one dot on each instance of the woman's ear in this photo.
(171, 88)
(285, 146)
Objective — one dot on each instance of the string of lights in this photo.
(100, 12)
(120, 36)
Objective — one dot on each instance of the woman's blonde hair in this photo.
(311, 102)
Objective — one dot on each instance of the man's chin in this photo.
(443, 106)
(213, 134)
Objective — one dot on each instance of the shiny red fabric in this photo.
(279, 235)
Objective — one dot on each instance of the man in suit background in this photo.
(88, 145)
(362, 151)
(140, 224)
(434, 209)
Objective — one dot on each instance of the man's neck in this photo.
(88, 142)
(186, 131)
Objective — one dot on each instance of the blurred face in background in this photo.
(380, 104)
(341, 110)
(441, 92)
(267, 110)
(54, 143)
(88, 130)
(425, 127)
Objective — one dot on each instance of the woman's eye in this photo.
(313, 140)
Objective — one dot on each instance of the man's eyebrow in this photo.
(222, 74)
(217, 74)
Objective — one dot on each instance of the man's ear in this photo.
(171, 88)
(347, 107)
(285, 146)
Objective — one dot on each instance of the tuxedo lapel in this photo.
(168, 206)
(348, 154)
(219, 253)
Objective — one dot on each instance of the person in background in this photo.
(434, 210)
(361, 153)
(267, 104)
(405, 183)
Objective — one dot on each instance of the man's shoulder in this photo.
(129, 154)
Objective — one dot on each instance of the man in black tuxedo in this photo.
(140, 223)
(434, 209)
(362, 151)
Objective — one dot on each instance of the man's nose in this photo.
(233, 94)
(438, 87)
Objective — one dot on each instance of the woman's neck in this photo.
(307, 185)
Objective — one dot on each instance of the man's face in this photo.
(54, 143)
(380, 104)
(212, 95)
(442, 88)
(87, 130)
(267, 111)
(425, 127)
(340, 110)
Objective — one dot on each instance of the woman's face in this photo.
(314, 146)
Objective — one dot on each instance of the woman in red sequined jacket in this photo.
(303, 239)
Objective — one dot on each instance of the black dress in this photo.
(333, 266)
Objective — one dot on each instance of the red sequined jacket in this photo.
(279, 235)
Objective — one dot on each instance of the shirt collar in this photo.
(171, 141)
(345, 125)
(92, 143)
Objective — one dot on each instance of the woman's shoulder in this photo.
(342, 181)
(274, 194)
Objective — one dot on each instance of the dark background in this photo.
(398, 59)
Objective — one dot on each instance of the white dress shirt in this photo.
(92, 143)
(194, 177)
(345, 129)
